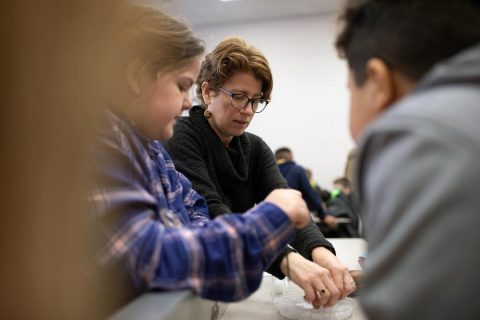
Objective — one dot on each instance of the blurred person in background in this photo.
(314, 184)
(350, 165)
(297, 179)
(343, 203)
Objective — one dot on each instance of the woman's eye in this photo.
(238, 97)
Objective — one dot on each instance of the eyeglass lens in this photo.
(240, 101)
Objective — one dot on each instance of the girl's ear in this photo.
(134, 75)
(206, 92)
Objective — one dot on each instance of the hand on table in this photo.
(340, 274)
(316, 281)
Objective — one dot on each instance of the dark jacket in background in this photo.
(297, 179)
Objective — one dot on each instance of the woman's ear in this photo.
(206, 92)
(380, 78)
(134, 75)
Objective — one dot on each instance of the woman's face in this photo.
(227, 121)
(158, 103)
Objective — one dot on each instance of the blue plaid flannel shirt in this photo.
(156, 227)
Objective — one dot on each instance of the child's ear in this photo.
(381, 80)
(134, 75)
(206, 92)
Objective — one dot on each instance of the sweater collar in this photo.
(230, 162)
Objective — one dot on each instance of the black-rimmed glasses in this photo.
(240, 101)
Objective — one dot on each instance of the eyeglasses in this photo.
(240, 101)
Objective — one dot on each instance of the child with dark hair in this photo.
(414, 80)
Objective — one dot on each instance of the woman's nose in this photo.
(248, 109)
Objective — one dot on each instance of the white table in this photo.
(259, 306)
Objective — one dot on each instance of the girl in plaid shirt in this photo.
(151, 224)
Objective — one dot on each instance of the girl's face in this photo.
(227, 121)
(159, 102)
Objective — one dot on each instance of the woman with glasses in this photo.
(233, 169)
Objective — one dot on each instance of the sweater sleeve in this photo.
(267, 173)
(310, 238)
(271, 178)
(186, 152)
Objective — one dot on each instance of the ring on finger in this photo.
(321, 291)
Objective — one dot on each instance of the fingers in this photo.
(310, 294)
(338, 279)
(349, 285)
(317, 282)
(340, 274)
(317, 303)
(331, 294)
(344, 282)
(324, 297)
(321, 292)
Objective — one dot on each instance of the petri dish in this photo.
(290, 304)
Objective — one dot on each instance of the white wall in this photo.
(309, 108)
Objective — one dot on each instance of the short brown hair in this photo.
(342, 181)
(231, 55)
(283, 153)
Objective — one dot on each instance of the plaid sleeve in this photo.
(219, 259)
(194, 203)
(227, 256)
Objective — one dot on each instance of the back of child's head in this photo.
(283, 153)
(410, 36)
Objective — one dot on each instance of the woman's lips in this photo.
(242, 123)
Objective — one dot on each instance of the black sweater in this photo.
(233, 178)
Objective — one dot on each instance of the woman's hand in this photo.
(340, 274)
(316, 281)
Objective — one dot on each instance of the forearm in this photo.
(223, 260)
(309, 238)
